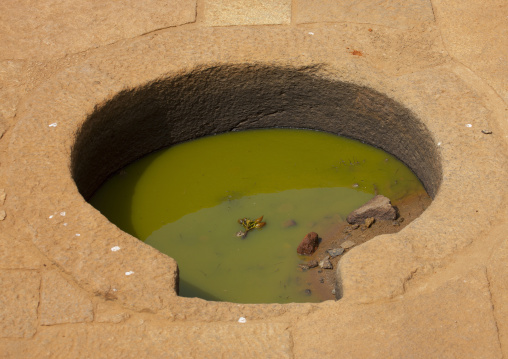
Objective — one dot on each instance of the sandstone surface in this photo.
(245, 12)
(18, 304)
(388, 13)
(63, 303)
(420, 79)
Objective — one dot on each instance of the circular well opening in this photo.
(221, 99)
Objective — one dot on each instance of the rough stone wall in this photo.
(208, 101)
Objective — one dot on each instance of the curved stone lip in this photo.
(77, 238)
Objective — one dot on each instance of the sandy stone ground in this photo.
(436, 289)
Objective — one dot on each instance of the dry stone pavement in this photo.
(455, 307)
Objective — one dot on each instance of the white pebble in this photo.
(439, 143)
(242, 320)
(311, 33)
(115, 248)
(469, 125)
(53, 125)
(62, 214)
(65, 224)
(129, 273)
(50, 216)
(77, 234)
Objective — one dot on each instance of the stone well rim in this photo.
(91, 82)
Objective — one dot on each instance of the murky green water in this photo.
(186, 200)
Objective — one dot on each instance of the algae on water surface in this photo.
(186, 200)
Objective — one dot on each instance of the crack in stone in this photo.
(39, 306)
(408, 278)
(291, 341)
(491, 298)
(199, 14)
(348, 22)
(185, 24)
(433, 12)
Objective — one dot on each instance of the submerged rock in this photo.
(378, 207)
(289, 223)
(309, 244)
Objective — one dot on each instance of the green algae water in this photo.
(186, 200)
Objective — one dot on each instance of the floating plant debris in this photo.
(249, 225)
